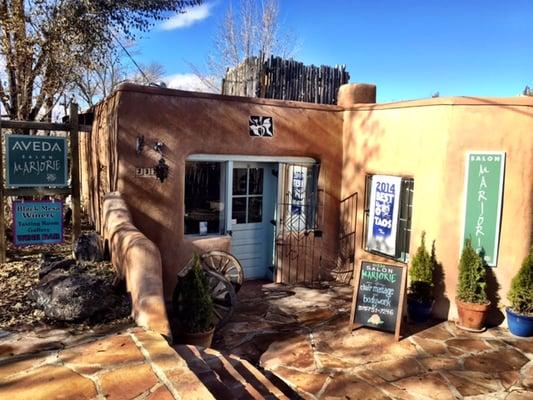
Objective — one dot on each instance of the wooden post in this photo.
(2, 215)
(75, 172)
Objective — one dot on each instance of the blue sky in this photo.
(409, 49)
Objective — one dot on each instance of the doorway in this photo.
(253, 192)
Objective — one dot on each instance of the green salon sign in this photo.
(483, 205)
(36, 161)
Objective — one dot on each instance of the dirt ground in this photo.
(20, 274)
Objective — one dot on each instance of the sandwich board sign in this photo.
(37, 222)
(483, 202)
(36, 161)
(379, 291)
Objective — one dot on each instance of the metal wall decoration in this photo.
(161, 170)
(261, 126)
(139, 145)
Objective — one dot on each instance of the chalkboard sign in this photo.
(378, 297)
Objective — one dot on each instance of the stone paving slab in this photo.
(315, 353)
(132, 364)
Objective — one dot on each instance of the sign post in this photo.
(379, 291)
(483, 202)
(45, 173)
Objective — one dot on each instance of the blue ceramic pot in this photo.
(519, 325)
(419, 311)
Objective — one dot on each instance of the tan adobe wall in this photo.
(191, 123)
(428, 140)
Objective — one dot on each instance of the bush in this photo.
(421, 272)
(472, 276)
(521, 293)
(196, 306)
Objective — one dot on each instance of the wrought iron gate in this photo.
(300, 256)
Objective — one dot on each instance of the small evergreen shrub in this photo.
(472, 276)
(421, 273)
(521, 293)
(196, 306)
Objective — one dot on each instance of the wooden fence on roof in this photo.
(277, 78)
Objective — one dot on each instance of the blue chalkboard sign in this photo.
(37, 222)
(36, 161)
(378, 298)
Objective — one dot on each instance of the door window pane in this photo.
(239, 181)
(255, 209)
(255, 185)
(238, 211)
(204, 202)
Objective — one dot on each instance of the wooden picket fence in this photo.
(277, 78)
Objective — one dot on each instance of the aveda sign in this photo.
(36, 161)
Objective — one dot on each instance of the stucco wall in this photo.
(427, 140)
(191, 123)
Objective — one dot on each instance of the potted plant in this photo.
(520, 314)
(195, 311)
(420, 298)
(472, 303)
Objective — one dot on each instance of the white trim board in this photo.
(244, 158)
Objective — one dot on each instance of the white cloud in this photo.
(190, 16)
(189, 82)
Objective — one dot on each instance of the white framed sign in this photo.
(383, 214)
(484, 180)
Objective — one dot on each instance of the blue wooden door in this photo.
(253, 198)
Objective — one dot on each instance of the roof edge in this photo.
(518, 101)
(155, 90)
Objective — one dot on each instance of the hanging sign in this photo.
(36, 161)
(383, 217)
(37, 222)
(483, 203)
(378, 298)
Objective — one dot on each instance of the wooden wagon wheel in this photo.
(226, 265)
(222, 294)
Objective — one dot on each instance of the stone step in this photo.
(230, 377)
(209, 378)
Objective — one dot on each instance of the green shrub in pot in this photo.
(520, 314)
(196, 306)
(420, 298)
(471, 300)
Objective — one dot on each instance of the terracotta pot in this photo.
(472, 315)
(202, 339)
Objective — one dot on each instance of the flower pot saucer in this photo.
(464, 328)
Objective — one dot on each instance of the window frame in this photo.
(227, 161)
(223, 198)
(404, 223)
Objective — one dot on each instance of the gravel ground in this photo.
(20, 274)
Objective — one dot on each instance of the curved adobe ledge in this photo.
(137, 259)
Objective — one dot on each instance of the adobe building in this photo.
(289, 188)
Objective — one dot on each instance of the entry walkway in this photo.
(300, 334)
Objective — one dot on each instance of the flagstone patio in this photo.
(300, 334)
(283, 342)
